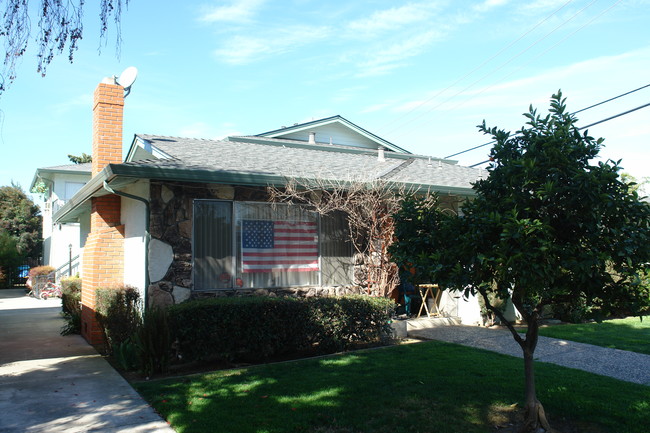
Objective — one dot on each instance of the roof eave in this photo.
(41, 172)
(94, 188)
(334, 119)
(124, 173)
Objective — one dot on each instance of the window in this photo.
(213, 245)
(71, 188)
(260, 245)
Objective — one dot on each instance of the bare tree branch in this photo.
(369, 206)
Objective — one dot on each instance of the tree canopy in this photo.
(59, 29)
(20, 218)
(547, 227)
(80, 159)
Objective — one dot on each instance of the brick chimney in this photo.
(103, 256)
(108, 106)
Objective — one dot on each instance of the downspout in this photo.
(147, 237)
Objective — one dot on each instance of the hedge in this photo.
(71, 305)
(255, 328)
(118, 313)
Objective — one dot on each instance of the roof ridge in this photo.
(393, 171)
(179, 137)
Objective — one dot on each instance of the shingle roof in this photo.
(289, 158)
(77, 168)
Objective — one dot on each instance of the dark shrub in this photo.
(339, 323)
(71, 305)
(152, 342)
(256, 328)
(118, 312)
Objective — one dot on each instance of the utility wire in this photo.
(575, 112)
(479, 66)
(511, 59)
(611, 99)
(542, 53)
(615, 116)
(592, 124)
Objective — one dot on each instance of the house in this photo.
(61, 242)
(186, 217)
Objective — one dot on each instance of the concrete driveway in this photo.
(50, 383)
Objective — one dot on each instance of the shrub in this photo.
(71, 305)
(152, 342)
(40, 276)
(339, 323)
(40, 271)
(118, 313)
(125, 355)
(257, 328)
(572, 312)
(9, 257)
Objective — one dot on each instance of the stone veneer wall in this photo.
(170, 251)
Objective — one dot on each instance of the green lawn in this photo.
(626, 334)
(425, 387)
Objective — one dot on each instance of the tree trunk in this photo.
(535, 418)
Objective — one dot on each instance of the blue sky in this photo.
(419, 74)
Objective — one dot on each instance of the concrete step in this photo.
(430, 322)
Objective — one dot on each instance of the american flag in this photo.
(288, 246)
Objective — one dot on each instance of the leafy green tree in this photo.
(9, 257)
(81, 159)
(639, 186)
(545, 227)
(21, 219)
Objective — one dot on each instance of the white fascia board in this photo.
(341, 120)
(145, 145)
(303, 127)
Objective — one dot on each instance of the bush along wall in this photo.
(118, 313)
(257, 328)
(71, 305)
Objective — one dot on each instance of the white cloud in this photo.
(489, 4)
(392, 56)
(540, 6)
(375, 107)
(80, 101)
(583, 83)
(237, 11)
(245, 49)
(394, 18)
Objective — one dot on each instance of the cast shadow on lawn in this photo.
(424, 387)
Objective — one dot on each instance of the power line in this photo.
(611, 99)
(479, 66)
(511, 59)
(575, 112)
(471, 148)
(545, 51)
(592, 124)
(615, 116)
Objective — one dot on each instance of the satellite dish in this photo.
(127, 78)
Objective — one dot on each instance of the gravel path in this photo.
(620, 364)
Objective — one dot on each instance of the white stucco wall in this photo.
(453, 304)
(469, 310)
(59, 237)
(63, 236)
(133, 218)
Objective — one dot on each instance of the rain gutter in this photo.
(147, 236)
